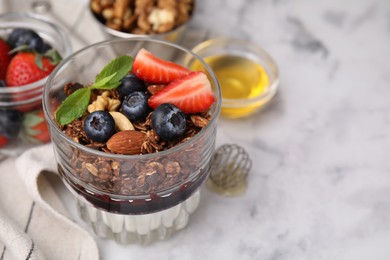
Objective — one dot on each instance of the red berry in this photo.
(3, 141)
(23, 69)
(35, 127)
(4, 58)
(152, 69)
(192, 94)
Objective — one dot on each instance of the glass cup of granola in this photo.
(137, 186)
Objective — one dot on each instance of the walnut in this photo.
(162, 20)
(115, 23)
(120, 8)
(104, 102)
(108, 13)
(143, 23)
(95, 6)
(142, 6)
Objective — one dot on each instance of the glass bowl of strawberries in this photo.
(30, 48)
(134, 135)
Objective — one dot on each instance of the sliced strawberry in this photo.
(153, 89)
(5, 58)
(192, 94)
(23, 69)
(152, 69)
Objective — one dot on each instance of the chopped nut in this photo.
(129, 20)
(104, 102)
(108, 13)
(143, 23)
(106, 3)
(92, 169)
(115, 24)
(161, 17)
(120, 8)
(95, 6)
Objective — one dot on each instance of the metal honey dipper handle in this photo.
(230, 169)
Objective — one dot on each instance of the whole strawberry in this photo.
(27, 67)
(35, 128)
(3, 141)
(5, 58)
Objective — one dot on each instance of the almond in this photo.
(126, 142)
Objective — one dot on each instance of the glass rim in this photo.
(216, 106)
(258, 51)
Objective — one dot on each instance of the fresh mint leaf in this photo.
(73, 106)
(121, 65)
(110, 86)
(102, 82)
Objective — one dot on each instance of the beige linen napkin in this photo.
(34, 223)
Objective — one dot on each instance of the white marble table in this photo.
(320, 184)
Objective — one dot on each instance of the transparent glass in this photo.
(132, 198)
(247, 85)
(28, 98)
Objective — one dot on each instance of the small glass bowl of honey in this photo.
(248, 75)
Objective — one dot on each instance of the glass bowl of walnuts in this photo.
(161, 19)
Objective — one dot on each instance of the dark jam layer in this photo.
(141, 206)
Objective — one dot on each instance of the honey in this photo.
(241, 79)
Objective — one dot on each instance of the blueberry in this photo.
(44, 48)
(135, 106)
(168, 121)
(21, 36)
(10, 122)
(99, 126)
(130, 84)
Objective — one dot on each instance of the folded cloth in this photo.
(34, 223)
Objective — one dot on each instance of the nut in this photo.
(108, 13)
(122, 123)
(104, 102)
(126, 142)
(120, 7)
(162, 17)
